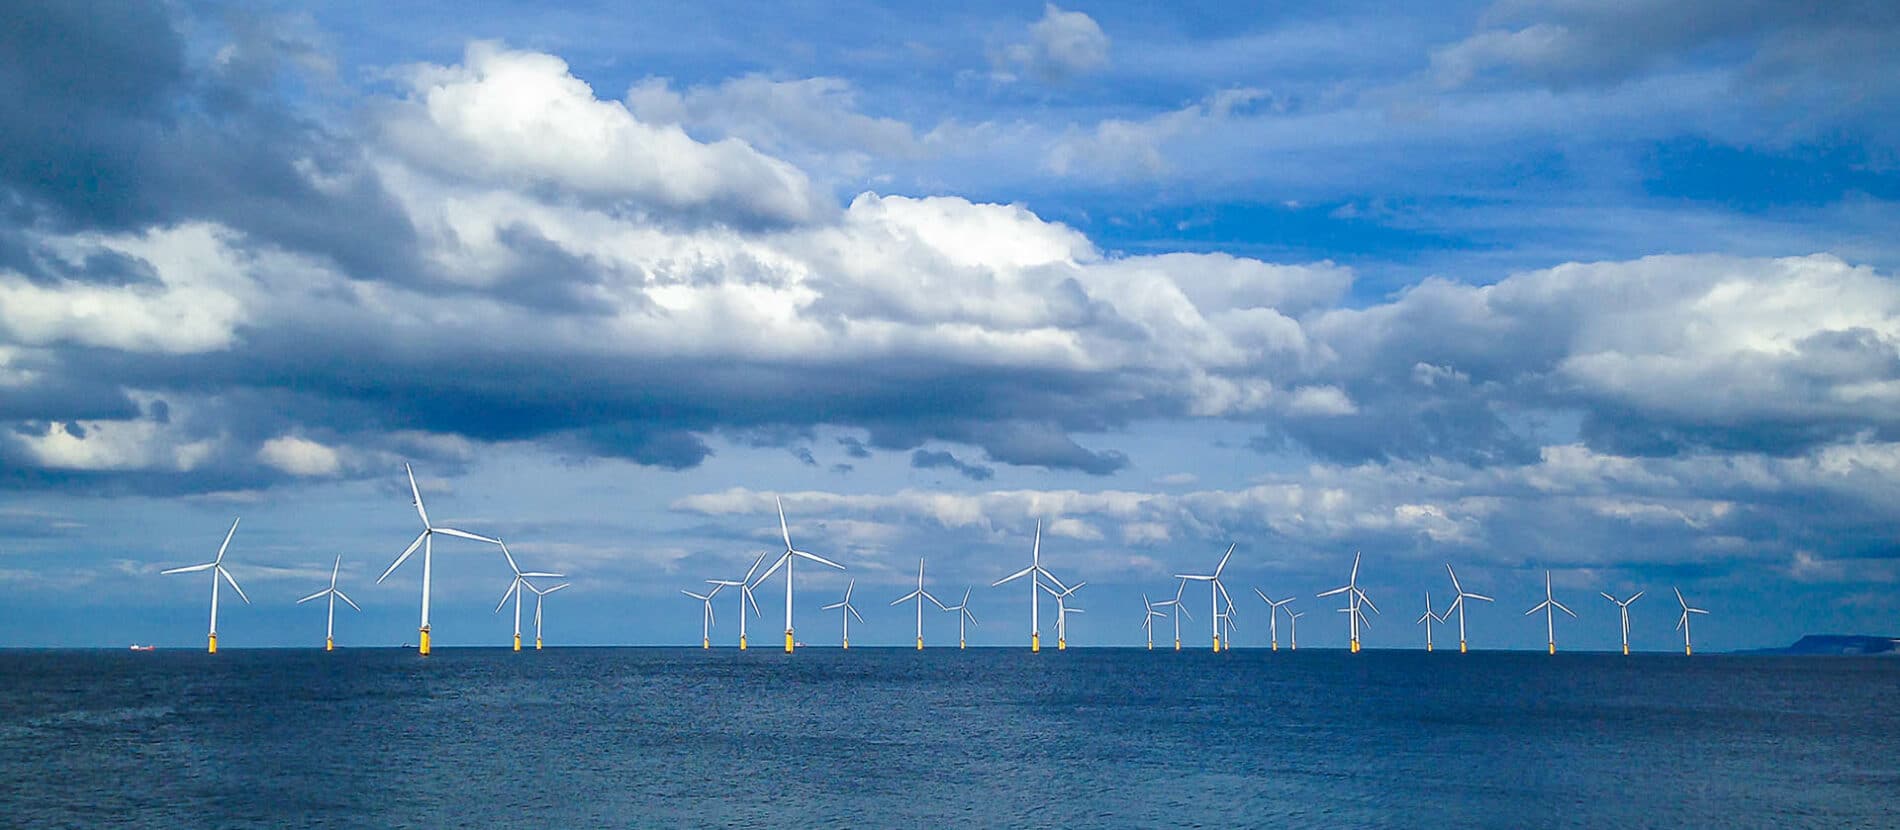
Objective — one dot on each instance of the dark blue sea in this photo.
(982, 738)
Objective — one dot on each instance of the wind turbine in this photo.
(514, 590)
(1623, 605)
(1458, 605)
(216, 567)
(963, 615)
(1215, 590)
(1062, 613)
(1428, 618)
(1550, 606)
(1227, 626)
(1035, 572)
(426, 540)
(1179, 609)
(1681, 623)
(785, 561)
(329, 624)
(1354, 597)
(744, 584)
(1293, 619)
(1148, 620)
(541, 594)
(920, 595)
(705, 616)
(848, 611)
(1273, 618)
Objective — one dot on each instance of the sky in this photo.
(1604, 290)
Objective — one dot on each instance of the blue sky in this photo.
(1603, 289)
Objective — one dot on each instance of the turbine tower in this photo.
(1293, 620)
(848, 611)
(1550, 606)
(705, 615)
(1215, 591)
(426, 540)
(1148, 620)
(962, 610)
(785, 561)
(1458, 605)
(216, 567)
(1273, 618)
(1623, 605)
(329, 623)
(1681, 623)
(514, 589)
(1354, 598)
(1179, 609)
(1427, 619)
(920, 595)
(1062, 613)
(1035, 572)
(541, 594)
(744, 584)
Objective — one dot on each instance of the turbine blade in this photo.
(1017, 575)
(346, 598)
(1540, 607)
(512, 588)
(227, 539)
(772, 570)
(1224, 557)
(190, 568)
(755, 565)
(783, 529)
(832, 607)
(465, 534)
(854, 613)
(1480, 597)
(546, 575)
(416, 493)
(1340, 590)
(1563, 608)
(1639, 595)
(1454, 579)
(510, 557)
(247, 600)
(313, 596)
(1610, 598)
(745, 593)
(564, 585)
(819, 559)
(404, 557)
(905, 598)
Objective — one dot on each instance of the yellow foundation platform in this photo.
(422, 645)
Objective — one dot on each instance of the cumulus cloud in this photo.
(299, 456)
(1061, 45)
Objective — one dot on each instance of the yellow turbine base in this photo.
(537, 644)
(1553, 648)
(329, 644)
(961, 645)
(1626, 649)
(1177, 645)
(1061, 644)
(517, 642)
(1217, 644)
(1151, 645)
(705, 642)
(1355, 646)
(422, 645)
(1686, 651)
(742, 642)
(1276, 645)
(1461, 647)
(920, 644)
(788, 641)
(212, 648)
(1428, 648)
(1035, 643)
(847, 644)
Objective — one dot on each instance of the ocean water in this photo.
(981, 738)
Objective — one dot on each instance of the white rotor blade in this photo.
(247, 600)
(1223, 560)
(1017, 575)
(854, 612)
(1610, 598)
(416, 493)
(190, 568)
(1051, 577)
(560, 586)
(1367, 601)
(1563, 608)
(227, 539)
(1639, 595)
(1697, 611)
(755, 565)
(546, 575)
(832, 607)
(512, 588)
(783, 529)
(509, 556)
(465, 534)
(819, 559)
(745, 593)
(404, 557)
(1194, 577)
(1479, 597)
(313, 596)
(1540, 607)
(1339, 590)
(700, 597)
(905, 598)
(346, 599)
(772, 570)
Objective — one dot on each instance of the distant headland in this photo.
(1845, 645)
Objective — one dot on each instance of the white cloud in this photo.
(299, 456)
(1061, 45)
(195, 305)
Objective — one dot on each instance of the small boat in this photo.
(137, 647)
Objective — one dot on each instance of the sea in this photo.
(1083, 738)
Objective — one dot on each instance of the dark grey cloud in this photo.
(933, 459)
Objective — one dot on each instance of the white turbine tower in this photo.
(1062, 613)
(962, 610)
(1293, 620)
(920, 595)
(1458, 605)
(514, 589)
(785, 561)
(1215, 591)
(744, 584)
(1550, 606)
(1148, 620)
(1681, 623)
(329, 623)
(541, 594)
(1035, 572)
(1273, 616)
(848, 611)
(1354, 598)
(216, 567)
(1428, 618)
(1179, 609)
(426, 540)
(705, 615)
(1623, 605)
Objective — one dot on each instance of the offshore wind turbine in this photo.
(216, 567)
(1681, 623)
(1035, 572)
(1215, 590)
(706, 615)
(848, 612)
(1354, 597)
(427, 542)
(329, 623)
(1179, 609)
(1062, 613)
(1458, 605)
(1550, 606)
(1148, 620)
(541, 594)
(1273, 618)
(785, 561)
(962, 610)
(1428, 618)
(920, 595)
(744, 584)
(514, 590)
(1293, 620)
(1623, 605)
